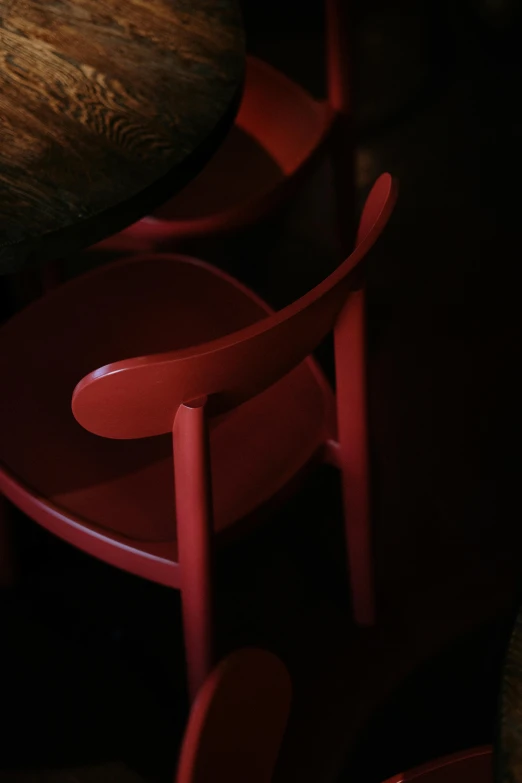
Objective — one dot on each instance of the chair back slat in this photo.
(139, 397)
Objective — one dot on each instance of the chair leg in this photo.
(350, 368)
(7, 561)
(197, 631)
(194, 531)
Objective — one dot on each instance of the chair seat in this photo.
(132, 308)
(277, 128)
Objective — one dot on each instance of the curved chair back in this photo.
(139, 397)
(297, 131)
(237, 722)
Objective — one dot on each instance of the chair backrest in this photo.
(237, 722)
(272, 110)
(139, 397)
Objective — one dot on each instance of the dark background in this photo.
(92, 658)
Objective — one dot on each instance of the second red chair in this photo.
(280, 134)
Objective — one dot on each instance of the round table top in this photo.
(107, 107)
(509, 746)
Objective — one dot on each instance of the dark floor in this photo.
(93, 657)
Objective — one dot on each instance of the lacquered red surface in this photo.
(237, 725)
(468, 766)
(280, 133)
(140, 340)
(194, 528)
(237, 722)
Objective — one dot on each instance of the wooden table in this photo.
(107, 107)
(508, 767)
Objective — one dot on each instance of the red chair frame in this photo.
(330, 124)
(237, 723)
(176, 392)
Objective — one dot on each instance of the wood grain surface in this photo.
(101, 99)
(509, 747)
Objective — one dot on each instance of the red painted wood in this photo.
(237, 722)
(350, 452)
(73, 466)
(139, 397)
(194, 517)
(237, 725)
(280, 134)
(154, 560)
(186, 330)
(352, 457)
(468, 766)
(125, 488)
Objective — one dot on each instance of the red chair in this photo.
(237, 723)
(469, 766)
(236, 728)
(234, 732)
(233, 735)
(279, 135)
(167, 344)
